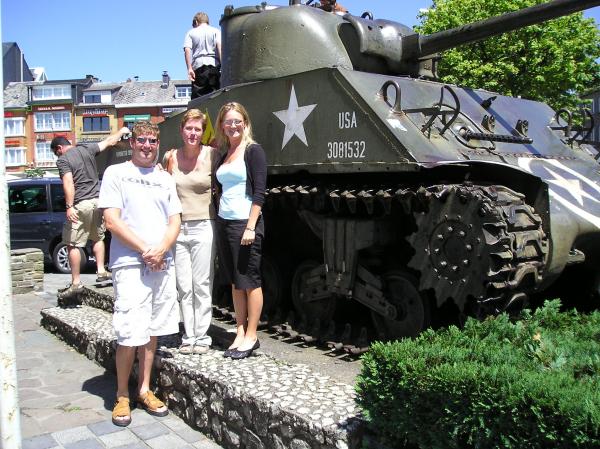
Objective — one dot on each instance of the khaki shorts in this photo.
(145, 304)
(90, 225)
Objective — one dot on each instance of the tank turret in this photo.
(296, 39)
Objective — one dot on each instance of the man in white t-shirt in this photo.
(202, 50)
(142, 211)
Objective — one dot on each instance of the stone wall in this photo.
(255, 403)
(27, 270)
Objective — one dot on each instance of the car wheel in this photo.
(60, 258)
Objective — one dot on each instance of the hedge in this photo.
(498, 383)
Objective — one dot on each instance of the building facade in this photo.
(83, 111)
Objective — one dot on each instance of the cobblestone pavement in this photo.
(66, 399)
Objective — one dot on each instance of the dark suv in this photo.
(37, 213)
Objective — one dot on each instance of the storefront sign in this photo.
(171, 110)
(90, 139)
(136, 117)
(97, 111)
(50, 108)
(12, 142)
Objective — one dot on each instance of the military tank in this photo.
(395, 200)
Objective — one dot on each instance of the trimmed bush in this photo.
(533, 383)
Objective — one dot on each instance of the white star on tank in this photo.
(571, 186)
(293, 118)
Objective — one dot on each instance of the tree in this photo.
(552, 62)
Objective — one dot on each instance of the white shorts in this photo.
(145, 304)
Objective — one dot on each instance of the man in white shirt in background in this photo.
(202, 49)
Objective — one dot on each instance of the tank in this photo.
(395, 201)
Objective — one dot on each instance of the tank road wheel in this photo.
(323, 308)
(481, 242)
(412, 307)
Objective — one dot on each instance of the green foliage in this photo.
(533, 383)
(552, 62)
(34, 172)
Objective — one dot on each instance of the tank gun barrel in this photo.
(472, 32)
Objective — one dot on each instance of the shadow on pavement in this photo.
(103, 386)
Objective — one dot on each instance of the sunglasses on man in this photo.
(142, 140)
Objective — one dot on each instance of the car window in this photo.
(25, 199)
(58, 197)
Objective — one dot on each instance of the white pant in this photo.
(194, 268)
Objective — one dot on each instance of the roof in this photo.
(148, 93)
(103, 86)
(39, 73)
(6, 46)
(82, 81)
(15, 95)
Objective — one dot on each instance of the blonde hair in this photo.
(193, 114)
(222, 139)
(144, 127)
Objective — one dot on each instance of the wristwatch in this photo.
(68, 206)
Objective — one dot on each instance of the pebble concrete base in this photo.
(258, 402)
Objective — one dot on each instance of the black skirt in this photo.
(239, 264)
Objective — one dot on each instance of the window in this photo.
(183, 92)
(14, 126)
(58, 198)
(98, 96)
(30, 198)
(92, 98)
(53, 121)
(15, 156)
(58, 92)
(44, 156)
(95, 124)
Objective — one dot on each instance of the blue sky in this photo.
(114, 40)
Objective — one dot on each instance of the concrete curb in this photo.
(259, 402)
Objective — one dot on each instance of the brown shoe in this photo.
(152, 404)
(71, 291)
(121, 414)
(102, 278)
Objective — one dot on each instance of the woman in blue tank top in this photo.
(241, 176)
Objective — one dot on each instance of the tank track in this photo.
(490, 227)
(478, 245)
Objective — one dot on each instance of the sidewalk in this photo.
(66, 399)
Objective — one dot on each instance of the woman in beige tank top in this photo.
(191, 167)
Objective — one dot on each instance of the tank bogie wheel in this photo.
(413, 309)
(323, 309)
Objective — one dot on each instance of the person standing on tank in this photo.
(240, 182)
(77, 168)
(202, 51)
(191, 167)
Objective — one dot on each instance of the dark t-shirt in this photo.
(81, 162)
